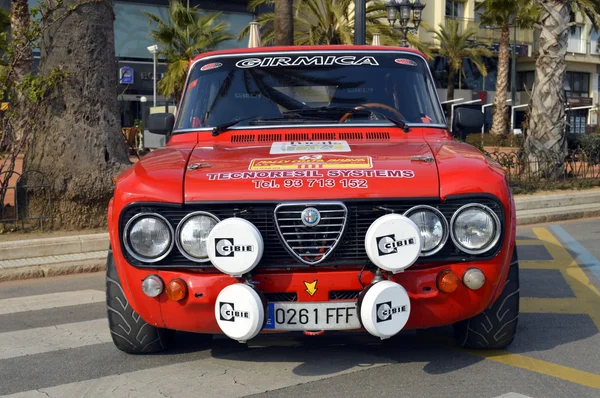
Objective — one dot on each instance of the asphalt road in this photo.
(54, 343)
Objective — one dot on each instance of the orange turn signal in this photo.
(176, 290)
(447, 281)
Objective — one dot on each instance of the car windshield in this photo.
(293, 88)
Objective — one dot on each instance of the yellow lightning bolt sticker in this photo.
(311, 287)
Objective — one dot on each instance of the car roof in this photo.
(300, 49)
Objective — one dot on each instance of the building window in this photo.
(525, 80)
(594, 36)
(576, 44)
(471, 80)
(455, 8)
(132, 28)
(478, 13)
(577, 121)
(577, 84)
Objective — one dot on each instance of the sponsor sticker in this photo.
(404, 61)
(385, 311)
(279, 148)
(317, 60)
(312, 162)
(267, 174)
(210, 66)
(388, 244)
(226, 247)
(228, 313)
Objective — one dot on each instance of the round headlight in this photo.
(475, 228)
(192, 235)
(433, 226)
(148, 237)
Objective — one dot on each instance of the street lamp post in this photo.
(143, 101)
(405, 8)
(360, 23)
(513, 77)
(153, 50)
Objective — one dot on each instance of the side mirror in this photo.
(466, 121)
(161, 123)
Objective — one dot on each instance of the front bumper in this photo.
(430, 306)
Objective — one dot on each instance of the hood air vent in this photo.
(250, 138)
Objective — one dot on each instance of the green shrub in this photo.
(510, 140)
(589, 143)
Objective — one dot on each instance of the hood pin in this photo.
(427, 159)
(195, 166)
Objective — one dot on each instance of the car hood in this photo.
(326, 170)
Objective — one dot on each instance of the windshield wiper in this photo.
(221, 128)
(337, 109)
(398, 123)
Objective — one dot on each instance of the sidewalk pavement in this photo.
(51, 256)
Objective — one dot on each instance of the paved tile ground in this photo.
(55, 343)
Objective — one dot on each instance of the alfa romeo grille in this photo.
(311, 231)
(357, 216)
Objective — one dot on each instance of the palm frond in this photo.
(185, 34)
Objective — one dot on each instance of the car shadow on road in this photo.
(340, 352)
(433, 350)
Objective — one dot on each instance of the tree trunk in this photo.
(284, 23)
(77, 142)
(500, 118)
(21, 66)
(451, 77)
(545, 143)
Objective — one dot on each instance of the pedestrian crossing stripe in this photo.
(52, 300)
(53, 338)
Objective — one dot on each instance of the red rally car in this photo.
(312, 189)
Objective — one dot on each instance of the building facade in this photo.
(132, 39)
(582, 83)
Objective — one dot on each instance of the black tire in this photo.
(496, 327)
(130, 333)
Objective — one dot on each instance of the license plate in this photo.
(312, 316)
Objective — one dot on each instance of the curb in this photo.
(43, 271)
(18, 249)
(539, 216)
(560, 200)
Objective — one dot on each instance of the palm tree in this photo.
(502, 13)
(185, 35)
(330, 22)
(284, 23)
(4, 27)
(547, 121)
(455, 47)
(22, 64)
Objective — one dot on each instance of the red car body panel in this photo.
(224, 178)
(163, 176)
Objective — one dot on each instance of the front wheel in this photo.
(495, 327)
(130, 333)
